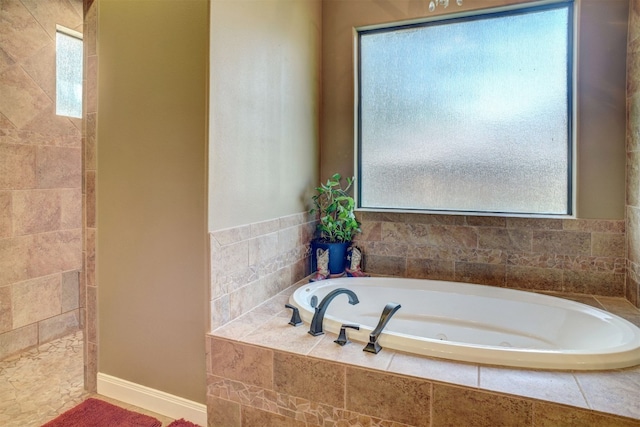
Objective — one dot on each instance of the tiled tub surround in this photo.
(253, 262)
(261, 368)
(558, 255)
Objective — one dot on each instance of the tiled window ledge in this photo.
(609, 392)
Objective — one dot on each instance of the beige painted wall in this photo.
(265, 99)
(601, 91)
(151, 193)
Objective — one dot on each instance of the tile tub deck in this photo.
(610, 397)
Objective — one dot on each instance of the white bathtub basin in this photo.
(478, 324)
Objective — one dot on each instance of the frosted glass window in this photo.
(68, 73)
(468, 114)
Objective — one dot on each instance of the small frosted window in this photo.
(468, 114)
(68, 73)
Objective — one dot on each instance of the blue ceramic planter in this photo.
(337, 256)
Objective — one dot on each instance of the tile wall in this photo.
(556, 255)
(40, 181)
(89, 169)
(252, 263)
(633, 155)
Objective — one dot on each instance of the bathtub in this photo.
(478, 324)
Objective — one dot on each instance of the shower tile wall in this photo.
(633, 155)
(89, 169)
(556, 255)
(40, 181)
(252, 263)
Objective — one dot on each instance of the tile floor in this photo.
(38, 385)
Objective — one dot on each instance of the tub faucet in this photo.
(388, 311)
(318, 317)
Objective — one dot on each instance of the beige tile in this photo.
(18, 165)
(396, 249)
(14, 259)
(455, 407)
(49, 129)
(371, 231)
(393, 232)
(262, 248)
(279, 335)
(264, 227)
(90, 256)
(293, 220)
(288, 239)
(71, 208)
(519, 240)
(6, 316)
(35, 300)
(256, 417)
(6, 217)
(607, 244)
(612, 392)
(549, 415)
(90, 143)
(233, 257)
(313, 379)
(535, 223)
(594, 282)
(386, 265)
(92, 321)
(430, 269)
(351, 353)
(90, 199)
(58, 326)
(562, 242)
(451, 236)
(48, 14)
(24, 35)
(18, 340)
(231, 235)
(481, 274)
(242, 326)
(464, 374)
(549, 279)
(241, 362)
(55, 252)
(594, 225)
(619, 306)
(219, 312)
(22, 99)
(222, 413)
(390, 397)
(36, 211)
(273, 305)
(558, 387)
(70, 293)
(58, 167)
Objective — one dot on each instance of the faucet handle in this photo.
(295, 316)
(342, 337)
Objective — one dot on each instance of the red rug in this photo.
(182, 423)
(98, 413)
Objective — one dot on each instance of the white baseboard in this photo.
(152, 400)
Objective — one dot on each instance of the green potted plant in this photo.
(337, 223)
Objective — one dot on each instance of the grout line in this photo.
(584, 395)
